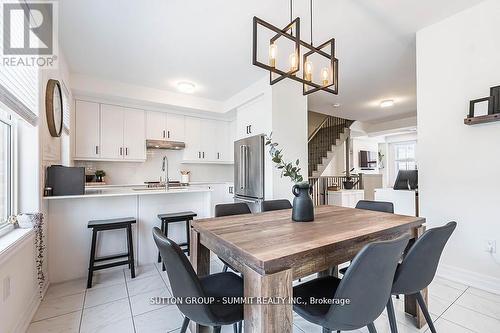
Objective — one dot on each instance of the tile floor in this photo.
(117, 303)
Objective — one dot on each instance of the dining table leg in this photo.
(200, 260)
(411, 305)
(261, 316)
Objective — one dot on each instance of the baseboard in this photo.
(470, 278)
(28, 315)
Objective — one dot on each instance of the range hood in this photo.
(164, 144)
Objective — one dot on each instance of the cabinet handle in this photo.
(163, 134)
(168, 134)
(97, 150)
(199, 154)
(203, 154)
(121, 151)
(249, 129)
(218, 155)
(230, 190)
(126, 150)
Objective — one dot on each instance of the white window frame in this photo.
(404, 160)
(9, 121)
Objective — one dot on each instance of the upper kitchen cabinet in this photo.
(109, 132)
(123, 134)
(87, 143)
(164, 126)
(254, 118)
(207, 141)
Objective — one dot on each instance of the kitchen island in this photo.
(69, 237)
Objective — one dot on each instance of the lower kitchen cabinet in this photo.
(221, 193)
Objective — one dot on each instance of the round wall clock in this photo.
(54, 108)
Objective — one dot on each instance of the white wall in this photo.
(126, 173)
(457, 61)
(289, 119)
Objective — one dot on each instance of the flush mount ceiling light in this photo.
(387, 103)
(186, 87)
(297, 70)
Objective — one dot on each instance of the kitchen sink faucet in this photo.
(164, 168)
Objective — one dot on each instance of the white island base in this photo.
(69, 238)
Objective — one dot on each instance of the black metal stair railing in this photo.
(323, 138)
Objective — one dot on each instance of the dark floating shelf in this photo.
(482, 119)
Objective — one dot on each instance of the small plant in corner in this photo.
(288, 169)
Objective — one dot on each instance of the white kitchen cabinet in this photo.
(111, 132)
(192, 152)
(175, 127)
(134, 134)
(207, 141)
(221, 194)
(164, 126)
(254, 118)
(155, 125)
(87, 130)
(223, 142)
(345, 198)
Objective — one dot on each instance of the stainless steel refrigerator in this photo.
(249, 171)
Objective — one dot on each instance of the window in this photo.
(6, 167)
(405, 156)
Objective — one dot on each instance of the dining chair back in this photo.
(236, 208)
(419, 266)
(183, 279)
(367, 285)
(269, 205)
(379, 206)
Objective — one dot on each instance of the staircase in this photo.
(324, 141)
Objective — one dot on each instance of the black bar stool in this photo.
(176, 217)
(111, 224)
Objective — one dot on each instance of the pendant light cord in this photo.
(311, 7)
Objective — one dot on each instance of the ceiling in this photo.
(157, 43)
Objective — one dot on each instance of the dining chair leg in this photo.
(185, 324)
(326, 330)
(240, 327)
(427, 316)
(371, 328)
(235, 327)
(217, 329)
(225, 268)
(392, 316)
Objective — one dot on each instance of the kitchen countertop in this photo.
(114, 191)
(98, 186)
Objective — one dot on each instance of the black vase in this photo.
(303, 208)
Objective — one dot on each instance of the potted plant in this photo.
(303, 207)
(99, 174)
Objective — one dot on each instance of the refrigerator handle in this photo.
(240, 167)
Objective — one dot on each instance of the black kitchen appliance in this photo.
(66, 180)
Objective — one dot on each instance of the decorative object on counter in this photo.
(185, 176)
(54, 108)
(99, 175)
(333, 188)
(380, 160)
(492, 108)
(303, 207)
(349, 183)
(303, 55)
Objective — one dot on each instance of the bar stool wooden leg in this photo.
(92, 258)
(163, 232)
(130, 251)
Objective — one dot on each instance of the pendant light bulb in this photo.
(325, 75)
(308, 69)
(273, 52)
(294, 61)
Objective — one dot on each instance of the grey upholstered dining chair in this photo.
(418, 268)
(279, 204)
(377, 206)
(367, 285)
(230, 209)
(185, 283)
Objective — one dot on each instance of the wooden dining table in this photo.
(271, 251)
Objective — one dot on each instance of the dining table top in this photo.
(270, 241)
